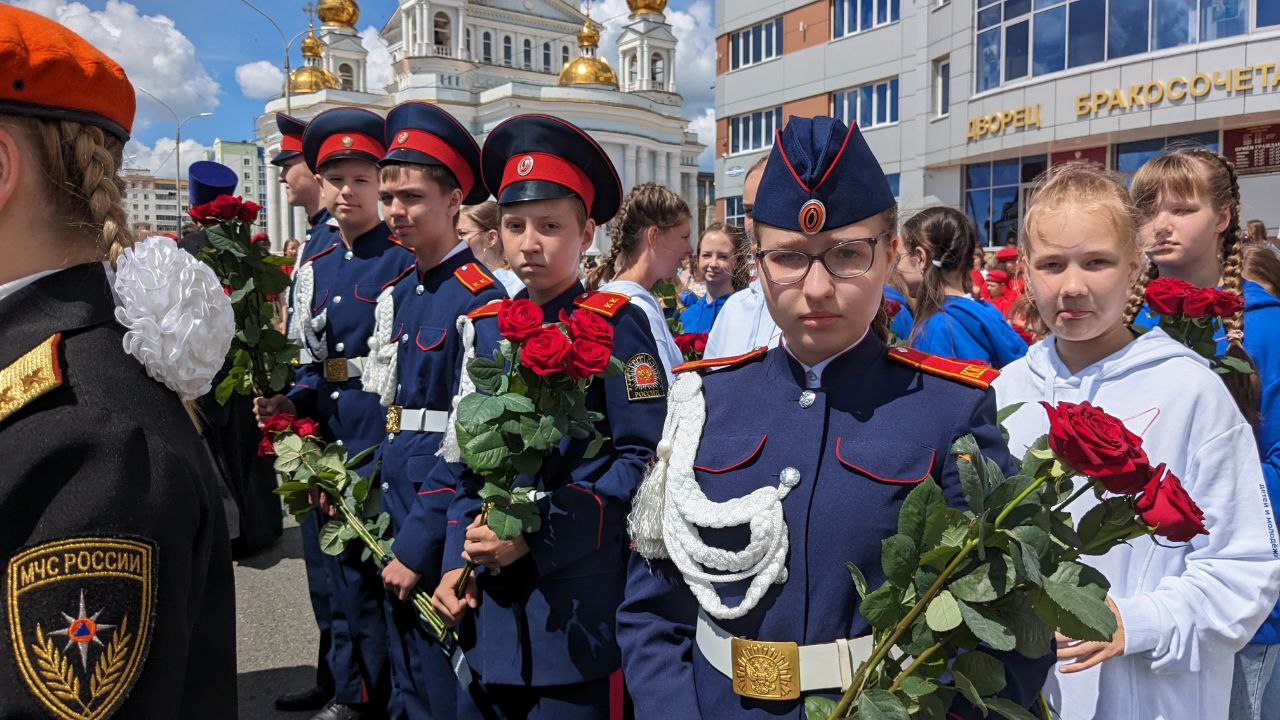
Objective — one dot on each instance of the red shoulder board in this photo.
(707, 363)
(489, 309)
(607, 304)
(473, 278)
(969, 373)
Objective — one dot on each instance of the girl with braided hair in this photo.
(1189, 202)
(650, 240)
(938, 245)
(101, 342)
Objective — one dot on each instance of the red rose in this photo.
(279, 422)
(227, 289)
(546, 351)
(202, 214)
(1165, 505)
(1165, 296)
(686, 342)
(249, 211)
(1098, 445)
(586, 325)
(1199, 302)
(306, 427)
(265, 448)
(519, 320)
(892, 308)
(587, 359)
(1226, 304)
(225, 207)
(700, 342)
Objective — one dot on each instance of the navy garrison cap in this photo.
(342, 133)
(291, 129)
(428, 135)
(207, 180)
(539, 157)
(820, 176)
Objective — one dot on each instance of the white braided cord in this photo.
(449, 449)
(380, 375)
(307, 330)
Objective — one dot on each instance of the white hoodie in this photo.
(1188, 608)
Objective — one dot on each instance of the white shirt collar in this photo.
(456, 249)
(813, 374)
(14, 286)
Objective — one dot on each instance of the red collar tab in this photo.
(550, 168)
(487, 310)
(472, 277)
(709, 363)
(348, 142)
(325, 251)
(607, 304)
(433, 145)
(403, 274)
(969, 373)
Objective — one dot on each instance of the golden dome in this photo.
(343, 13)
(312, 78)
(588, 71)
(311, 46)
(588, 35)
(640, 7)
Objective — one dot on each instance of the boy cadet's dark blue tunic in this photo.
(548, 619)
(870, 430)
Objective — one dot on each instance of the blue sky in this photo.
(187, 52)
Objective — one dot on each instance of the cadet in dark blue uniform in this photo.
(303, 190)
(431, 169)
(335, 291)
(809, 466)
(544, 626)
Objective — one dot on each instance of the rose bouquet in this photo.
(309, 465)
(260, 356)
(530, 395)
(1005, 573)
(692, 345)
(1193, 316)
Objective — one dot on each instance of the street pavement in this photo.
(275, 631)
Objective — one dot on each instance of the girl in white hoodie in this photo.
(1182, 611)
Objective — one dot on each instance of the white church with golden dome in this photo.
(486, 60)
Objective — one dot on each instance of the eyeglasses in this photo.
(847, 259)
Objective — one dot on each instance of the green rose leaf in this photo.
(923, 499)
(916, 687)
(528, 462)
(881, 705)
(513, 519)
(485, 451)
(1078, 594)
(517, 403)
(817, 707)
(985, 672)
(859, 580)
(943, 613)
(966, 688)
(944, 534)
(898, 558)
(331, 541)
(989, 581)
(987, 626)
(882, 607)
(1009, 709)
(1107, 523)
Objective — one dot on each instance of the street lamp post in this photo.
(288, 43)
(177, 147)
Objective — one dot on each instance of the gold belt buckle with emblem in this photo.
(393, 418)
(335, 370)
(766, 670)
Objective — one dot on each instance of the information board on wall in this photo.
(1254, 150)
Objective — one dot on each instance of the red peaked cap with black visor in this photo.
(291, 129)
(49, 72)
(341, 134)
(423, 134)
(539, 157)
(820, 176)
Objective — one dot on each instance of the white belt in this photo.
(762, 667)
(400, 419)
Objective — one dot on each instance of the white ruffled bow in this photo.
(179, 319)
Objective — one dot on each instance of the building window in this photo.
(755, 44)
(442, 31)
(942, 87)
(506, 50)
(633, 70)
(486, 47)
(1021, 38)
(1130, 156)
(852, 16)
(869, 105)
(893, 180)
(546, 57)
(466, 42)
(345, 76)
(245, 161)
(754, 130)
(733, 214)
(657, 77)
(995, 196)
(564, 55)
(1268, 13)
(528, 54)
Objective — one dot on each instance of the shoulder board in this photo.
(607, 304)
(30, 376)
(403, 274)
(709, 363)
(489, 309)
(969, 373)
(473, 278)
(325, 251)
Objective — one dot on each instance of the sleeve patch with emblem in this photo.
(81, 611)
(30, 376)
(644, 377)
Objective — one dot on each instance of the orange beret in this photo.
(47, 71)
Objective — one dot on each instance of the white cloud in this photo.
(158, 159)
(705, 126)
(260, 80)
(152, 51)
(378, 65)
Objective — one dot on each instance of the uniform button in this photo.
(806, 398)
(404, 338)
(386, 487)
(339, 347)
(398, 386)
(348, 256)
(337, 299)
(391, 438)
(333, 395)
(790, 477)
(420, 289)
(811, 376)
(338, 443)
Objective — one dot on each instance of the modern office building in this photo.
(151, 202)
(965, 102)
(247, 160)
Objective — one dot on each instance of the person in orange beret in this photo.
(118, 590)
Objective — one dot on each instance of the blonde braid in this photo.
(103, 190)
(1138, 293)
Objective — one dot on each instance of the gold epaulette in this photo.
(969, 373)
(709, 363)
(30, 376)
